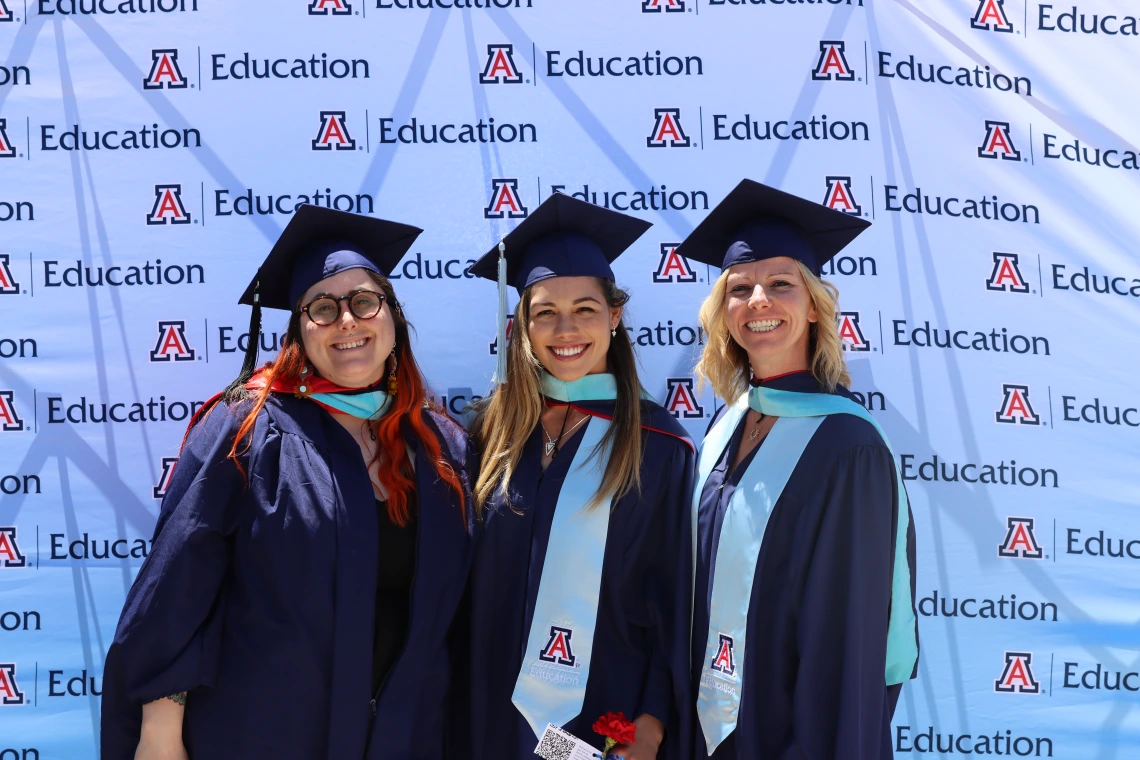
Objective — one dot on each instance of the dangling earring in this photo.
(393, 385)
(303, 388)
(613, 331)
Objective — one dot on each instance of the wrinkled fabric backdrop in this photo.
(152, 150)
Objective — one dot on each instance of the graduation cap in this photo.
(317, 243)
(756, 222)
(563, 237)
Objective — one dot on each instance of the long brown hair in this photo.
(406, 412)
(724, 364)
(504, 421)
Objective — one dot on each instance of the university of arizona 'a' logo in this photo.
(164, 71)
(505, 202)
(850, 333)
(333, 133)
(172, 344)
(330, 8)
(667, 131)
(10, 554)
(10, 693)
(1017, 675)
(998, 143)
(1020, 541)
(840, 197)
(500, 67)
(10, 422)
(832, 63)
(7, 149)
(1006, 274)
(673, 268)
(724, 661)
(558, 649)
(657, 6)
(8, 284)
(1015, 406)
(681, 399)
(5, 14)
(164, 477)
(991, 16)
(168, 207)
(494, 346)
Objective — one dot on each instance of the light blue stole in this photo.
(552, 681)
(742, 533)
(371, 405)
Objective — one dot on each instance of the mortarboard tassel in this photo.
(236, 391)
(501, 367)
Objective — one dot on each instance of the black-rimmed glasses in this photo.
(324, 310)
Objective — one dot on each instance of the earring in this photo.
(613, 331)
(303, 388)
(393, 385)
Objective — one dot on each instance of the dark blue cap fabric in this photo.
(320, 242)
(563, 237)
(562, 254)
(756, 222)
(325, 260)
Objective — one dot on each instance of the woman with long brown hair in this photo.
(314, 542)
(803, 623)
(581, 583)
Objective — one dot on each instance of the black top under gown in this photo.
(394, 577)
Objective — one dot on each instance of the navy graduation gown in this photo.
(640, 656)
(259, 601)
(813, 681)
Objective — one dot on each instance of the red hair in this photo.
(405, 412)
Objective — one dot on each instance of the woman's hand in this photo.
(650, 732)
(161, 735)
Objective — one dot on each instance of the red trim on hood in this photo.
(777, 377)
(599, 415)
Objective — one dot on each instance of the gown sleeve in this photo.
(457, 727)
(841, 705)
(666, 589)
(168, 636)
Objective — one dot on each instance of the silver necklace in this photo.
(552, 442)
(755, 433)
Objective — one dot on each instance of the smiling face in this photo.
(350, 352)
(769, 314)
(569, 326)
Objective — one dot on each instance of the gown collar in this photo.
(369, 403)
(802, 381)
(598, 387)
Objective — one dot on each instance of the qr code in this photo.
(554, 747)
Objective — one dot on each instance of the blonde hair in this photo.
(505, 420)
(724, 364)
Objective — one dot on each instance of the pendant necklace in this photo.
(752, 436)
(552, 442)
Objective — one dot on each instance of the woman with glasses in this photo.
(580, 589)
(314, 542)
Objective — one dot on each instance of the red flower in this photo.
(616, 727)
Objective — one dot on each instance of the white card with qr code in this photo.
(557, 744)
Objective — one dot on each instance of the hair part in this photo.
(504, 421)
(394, 466)
(724, 363)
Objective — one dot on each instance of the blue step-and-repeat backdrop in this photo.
(152, 150)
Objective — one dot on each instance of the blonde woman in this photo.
(581, 584)
(803, 626)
